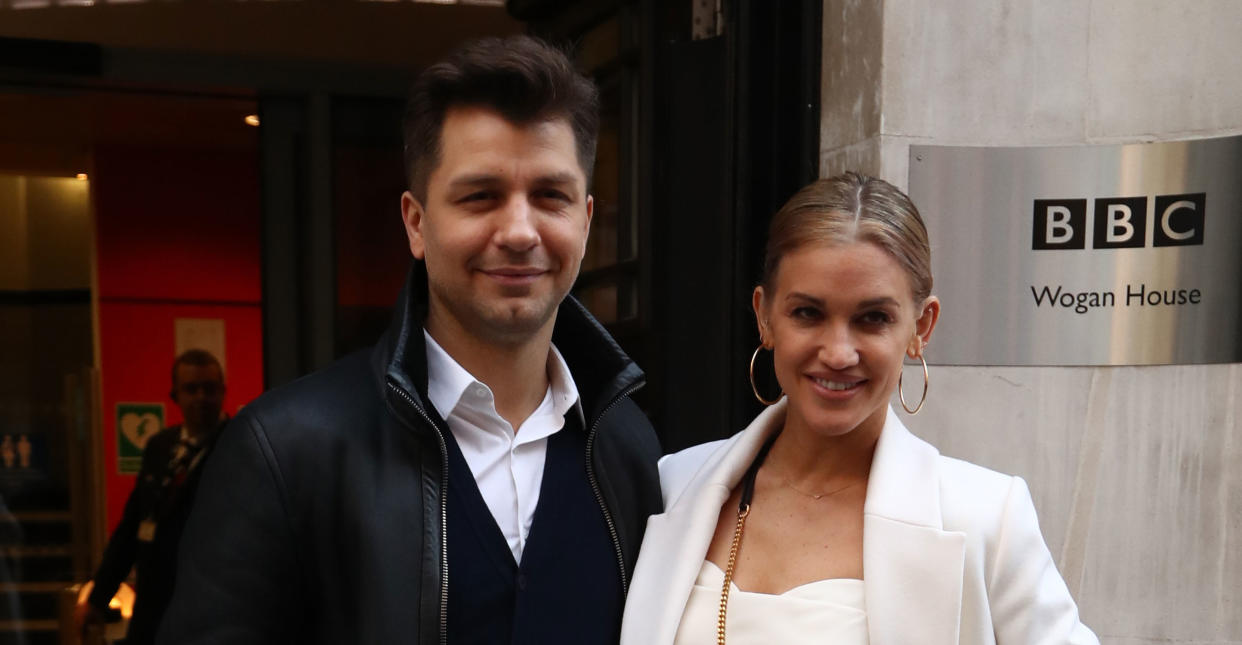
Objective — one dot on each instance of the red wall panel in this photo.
(177, 236)
(178, 224)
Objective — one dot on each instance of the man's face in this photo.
(199, 392)
(504, 226)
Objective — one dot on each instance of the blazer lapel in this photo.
(680, 542)
(676, 541)
(912, 569)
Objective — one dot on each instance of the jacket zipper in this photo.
(443, 512)
(599, 496)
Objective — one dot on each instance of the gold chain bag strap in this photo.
(743, 510)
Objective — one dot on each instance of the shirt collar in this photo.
(186, 437)
(447, 381)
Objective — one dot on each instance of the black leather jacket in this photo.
(320, 517)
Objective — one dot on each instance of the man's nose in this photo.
(516, 230)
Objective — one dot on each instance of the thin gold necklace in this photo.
(813, 495)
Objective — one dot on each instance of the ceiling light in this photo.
(252, 119)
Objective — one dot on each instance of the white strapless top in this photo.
(824, 611)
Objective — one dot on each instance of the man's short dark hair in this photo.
(197, 358)
(524, 79)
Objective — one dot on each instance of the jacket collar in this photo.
(912, 568)
(902, 467)
(897, 488)
(601, 369)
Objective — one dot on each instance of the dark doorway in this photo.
(719, 114)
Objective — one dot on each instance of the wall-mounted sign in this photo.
(135, 424)
(1088, 255)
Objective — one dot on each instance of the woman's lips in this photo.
(836, 387)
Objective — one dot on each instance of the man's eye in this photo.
(805, 313)
(554, 195)
(476, 197)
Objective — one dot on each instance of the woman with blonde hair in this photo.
(825, 520)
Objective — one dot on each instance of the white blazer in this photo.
(952, 552)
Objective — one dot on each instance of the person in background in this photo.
(155, 513)
(826, 521)
(481, 475)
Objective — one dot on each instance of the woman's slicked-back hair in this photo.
(852, 208)
(523, 78)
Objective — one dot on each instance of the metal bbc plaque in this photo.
(1087, 255)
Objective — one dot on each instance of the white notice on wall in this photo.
(201, 333)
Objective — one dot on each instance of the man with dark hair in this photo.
(482, 475)
(155, 514)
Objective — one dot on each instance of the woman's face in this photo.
(839, 320)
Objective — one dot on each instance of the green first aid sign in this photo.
(135, 424)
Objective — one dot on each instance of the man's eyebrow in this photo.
(562, 177)
(474, 180)
(478, 180)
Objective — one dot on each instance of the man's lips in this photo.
(514, 275)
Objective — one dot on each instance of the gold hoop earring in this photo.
(755, 388)
(902, 395)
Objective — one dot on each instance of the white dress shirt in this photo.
(507, 465)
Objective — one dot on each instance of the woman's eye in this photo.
(876, 318)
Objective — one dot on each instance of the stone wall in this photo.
(1136, 471)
